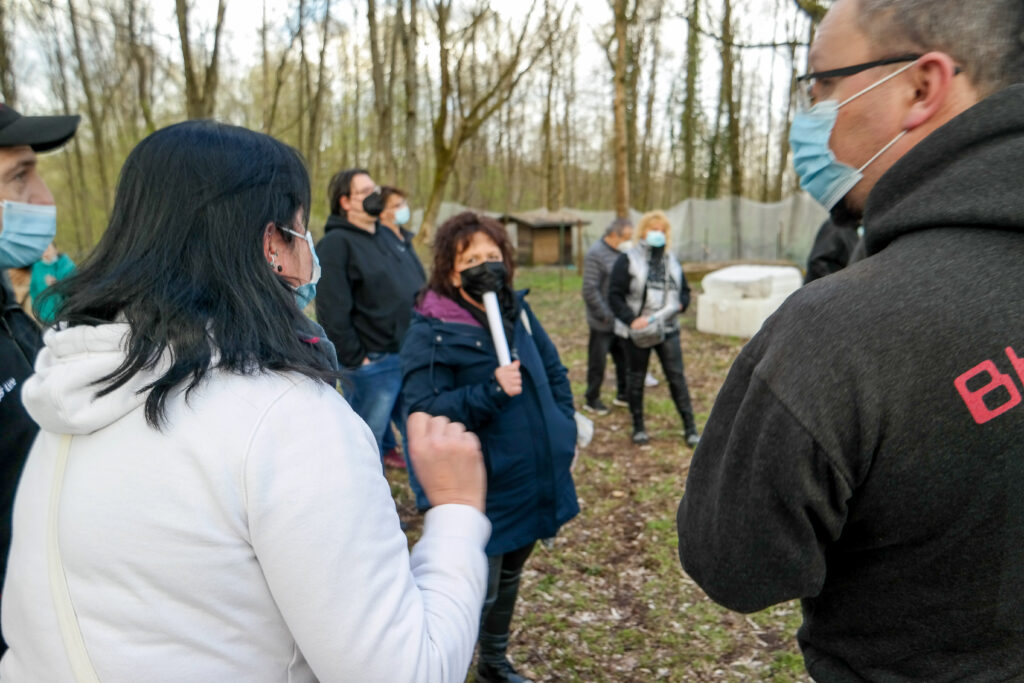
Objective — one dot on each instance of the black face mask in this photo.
(374, 203)
(489, 276)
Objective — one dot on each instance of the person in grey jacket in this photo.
(597, 273)
(647, 292)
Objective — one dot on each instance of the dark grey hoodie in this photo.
(866, 453)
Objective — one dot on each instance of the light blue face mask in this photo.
(402, 215)
(27, 230)
(655, 239)
(822, 175)
(306, 292)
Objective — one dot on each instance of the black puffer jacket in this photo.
(20, 341)
(866, 453)
(365, 294)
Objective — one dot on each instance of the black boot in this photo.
(635, 395)
(640, 435)
(492, 665)
(501, 672)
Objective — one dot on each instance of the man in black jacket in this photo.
(365, 294)
(866, 453)
(27, 225)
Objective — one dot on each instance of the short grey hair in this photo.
(618, 226)
(986, 38)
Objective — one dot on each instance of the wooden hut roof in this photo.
(543, 219)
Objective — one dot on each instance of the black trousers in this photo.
(598, 348)
(503, 574)
(670, 353)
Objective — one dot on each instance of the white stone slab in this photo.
(738, 299)
(752, 282)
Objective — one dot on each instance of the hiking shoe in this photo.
(394, 459)
(650, 380)
(640, 438)
(596, 407)
(692, 439)
(620, 402)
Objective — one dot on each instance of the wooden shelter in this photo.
(546, 238)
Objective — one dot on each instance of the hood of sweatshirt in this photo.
(335, 222)
(965, 174)
(61, 395)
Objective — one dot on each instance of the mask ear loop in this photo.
(874, 85)
(871, 87)
(882, 151)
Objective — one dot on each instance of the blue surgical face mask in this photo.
(402, 215)
(27, 230)
(822, 175)
(306, 292)
(655, 239)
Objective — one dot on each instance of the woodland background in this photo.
(497, 106)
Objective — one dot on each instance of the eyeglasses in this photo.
(818, 85)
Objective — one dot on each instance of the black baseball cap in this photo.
(41, 133)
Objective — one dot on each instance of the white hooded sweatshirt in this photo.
(252, 539)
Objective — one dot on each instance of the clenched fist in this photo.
(447, 460)
(510, 379)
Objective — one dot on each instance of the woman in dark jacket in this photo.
(522, 412)
(647, 292)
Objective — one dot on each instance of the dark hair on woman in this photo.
(452, 237)
(182, 261)
(341, 186)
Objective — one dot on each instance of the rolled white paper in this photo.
(497, 328)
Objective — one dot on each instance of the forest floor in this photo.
(609, 601)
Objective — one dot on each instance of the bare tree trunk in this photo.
(690, 104)
(733, 108)
(279, 83)
(313, 142)
(621, 163)
(383, 154)
(8, 89)
(303, 86)
(646, 181)
(91, 108)
(787, 122)
(409, 37)
(453, 128)
(548, 159)
(715, 148)
(264, 70)
(766, 155)
(77, 177)
(570, 159)
(200, 98)
(357, 104)
(142, 68)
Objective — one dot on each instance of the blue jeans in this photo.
(375, 393)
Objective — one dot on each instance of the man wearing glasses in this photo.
(365, 297)
(866, 453)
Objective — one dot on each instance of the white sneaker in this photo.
(650, 380)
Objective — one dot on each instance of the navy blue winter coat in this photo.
(528, 441)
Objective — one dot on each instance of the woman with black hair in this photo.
(200, 503)
(522, 412)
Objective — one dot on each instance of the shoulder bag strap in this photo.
(70, 632)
